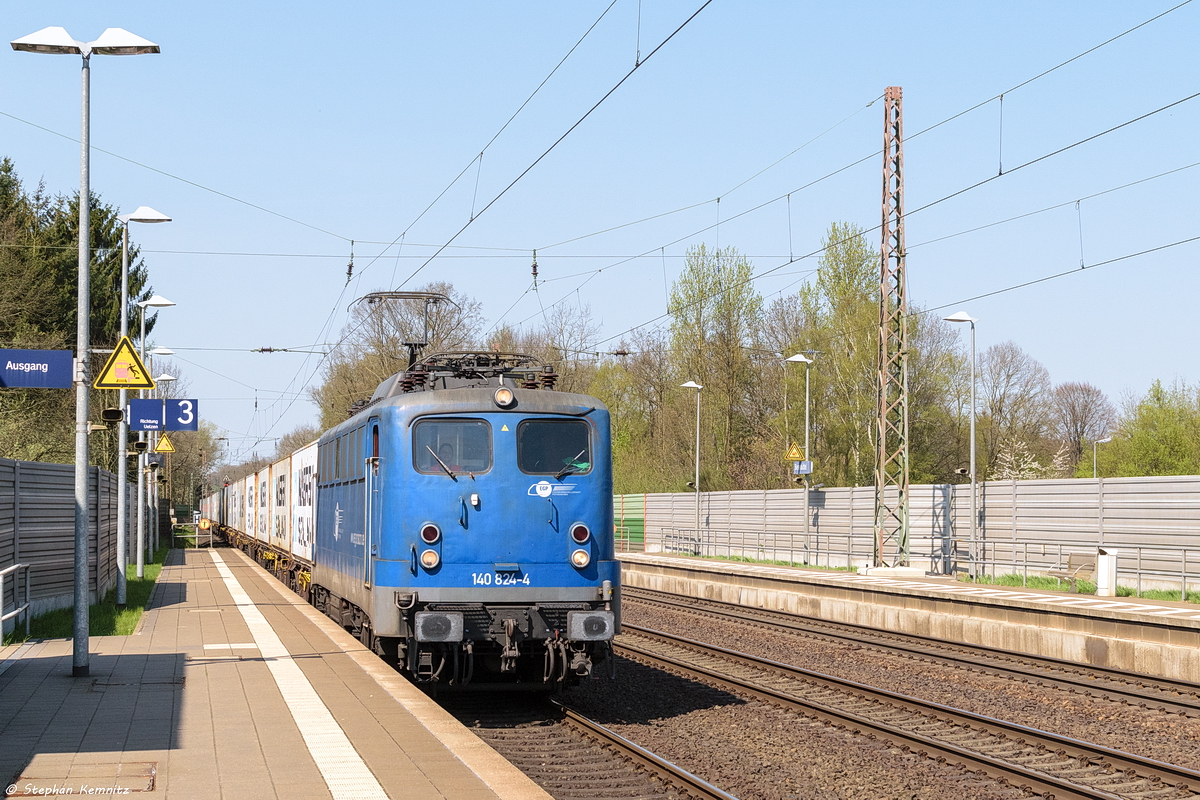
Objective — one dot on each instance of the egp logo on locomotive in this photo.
(545, 489)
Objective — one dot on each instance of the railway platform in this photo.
(1155, 637)
(233, 687)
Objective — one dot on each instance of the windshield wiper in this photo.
(571, 465)
(449, 471)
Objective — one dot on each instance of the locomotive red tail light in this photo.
(580, 533)
(430, 533)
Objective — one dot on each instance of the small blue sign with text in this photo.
(145, 415)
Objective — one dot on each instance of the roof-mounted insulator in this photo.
(549, 377)
(530, 381)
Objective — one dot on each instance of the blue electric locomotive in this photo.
(464, 524)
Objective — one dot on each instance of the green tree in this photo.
(715, 315)
(38, 307)
(841, 309)
(1159, 435)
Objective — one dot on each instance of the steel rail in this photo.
(673, 774)
(1118, 685)
(998, 733)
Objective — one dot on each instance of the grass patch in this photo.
(1084, 587)
(1166, 594)
(104, 618)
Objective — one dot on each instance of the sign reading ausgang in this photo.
(35, 369)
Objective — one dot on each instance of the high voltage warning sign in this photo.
(164, 445)
(794, 453)
(124, 370)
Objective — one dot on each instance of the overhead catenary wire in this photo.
(933, 203)
(507, 188)
(559, 140)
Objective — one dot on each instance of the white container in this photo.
(1106, 572)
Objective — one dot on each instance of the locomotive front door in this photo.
(373, 513)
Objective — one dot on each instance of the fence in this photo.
(37, 527)
(1024, 527)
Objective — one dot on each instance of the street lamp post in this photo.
(113, 42)
(157, 301)
(800, 358)
(963, 316)
(142, 214)
(697, 387)
(160, 382)
(1105, 440)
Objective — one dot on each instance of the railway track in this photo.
(1035, 761)
(572, 757)
(1132, 688)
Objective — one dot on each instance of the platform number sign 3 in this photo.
(182, 415)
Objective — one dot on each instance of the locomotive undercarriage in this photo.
(551, 645)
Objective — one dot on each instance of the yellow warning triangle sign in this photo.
(164, 445)
(794, 453)
(124, 370)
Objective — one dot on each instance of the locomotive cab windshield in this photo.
(553, 447)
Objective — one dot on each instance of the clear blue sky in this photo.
(351, 119)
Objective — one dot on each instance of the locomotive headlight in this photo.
(580, 559)
(580, 533)
(430, 533)
(504, 397)
(430, 559)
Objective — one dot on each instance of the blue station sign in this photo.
(182, 415)
(164, 415)
(35, 369)
(145, 415)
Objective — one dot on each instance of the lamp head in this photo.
(799, 358)
(960, 316)
(690, 385)
(49, 40)
(120, 42)
(144, 214)
(1105, 440)
(113, 42)
(162, 351)
(165, 378)
(157, 301)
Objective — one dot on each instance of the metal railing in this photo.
(17, 610)
(624, 542)
(824, 550)
(1143, 566)
(1167, 567)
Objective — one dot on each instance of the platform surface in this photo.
(232, 687)
(1132, 608)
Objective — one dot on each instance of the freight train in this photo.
(459, 523)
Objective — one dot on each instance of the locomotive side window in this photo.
(463, 445)
(554, 447)
(356, 453)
